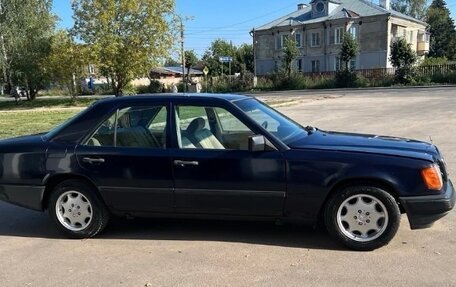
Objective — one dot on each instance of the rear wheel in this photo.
(362, 217)
(77, 210)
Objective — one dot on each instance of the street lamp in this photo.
(181, 20)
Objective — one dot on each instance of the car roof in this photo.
(189, 96)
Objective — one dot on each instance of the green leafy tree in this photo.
(128, 37)
(414, 8)
(403, 59)
(190, 60)
(244, 56)
(348, 50)
(170, 62)
(219, 48)
(68, 62)
(25, 31)
(291, 51)
(442, 29)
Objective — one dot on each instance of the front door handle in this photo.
(93, 160)
(183, 163)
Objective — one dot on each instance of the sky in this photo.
(212, 19)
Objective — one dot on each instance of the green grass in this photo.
(19, 123)
(46, 103)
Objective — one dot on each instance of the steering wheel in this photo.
(265, 124)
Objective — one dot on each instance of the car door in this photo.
(214, 174)
(128, 159)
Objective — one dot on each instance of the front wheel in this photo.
(76, 209)
(362, 217)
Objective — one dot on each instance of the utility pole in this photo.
(187, 18)
(184, 85)
(252, 33)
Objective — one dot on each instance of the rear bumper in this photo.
(423, 211)
(23, 195)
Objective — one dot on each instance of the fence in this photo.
(383, 72)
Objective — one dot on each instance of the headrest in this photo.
(196, 125)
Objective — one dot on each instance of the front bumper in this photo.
(423, 211)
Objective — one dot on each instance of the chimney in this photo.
(301, 6)
(385, 4)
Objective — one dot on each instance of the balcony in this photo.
(422, 47)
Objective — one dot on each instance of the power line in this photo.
(249, 20)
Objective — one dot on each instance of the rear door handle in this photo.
(93, 160)
(184, 163)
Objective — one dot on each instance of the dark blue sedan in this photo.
(222, 156)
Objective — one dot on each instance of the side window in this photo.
(229, 123)
(134, 127)
(210, 128)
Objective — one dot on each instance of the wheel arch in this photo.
(360, 181)
(53, 180)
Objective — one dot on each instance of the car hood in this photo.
(366, 143)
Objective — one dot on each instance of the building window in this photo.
(299, 65)
(353, 64)
(354, 32)
(298, 39)
(278, 42)
(320, 7)
(315, 40)
(411, 37)
(315, 66)
(338, 64)
(338, 34)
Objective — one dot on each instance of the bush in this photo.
(430, 61)
(346, 79)
(154, 87)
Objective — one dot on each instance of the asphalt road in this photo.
(211, 253)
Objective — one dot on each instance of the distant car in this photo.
(20, 91)
(222, 156)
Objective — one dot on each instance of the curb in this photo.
(351, 89)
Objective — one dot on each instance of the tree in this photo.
(442, 30)
(190, 60)
(403, 58)
(128, 37)
(25, 31)
(291, 51)
(68, 62)
(219, 48)
(170, 62)
(413, 8)
(244, 56)
(348, 50)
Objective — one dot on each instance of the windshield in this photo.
(274, 122)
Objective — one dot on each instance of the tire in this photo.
(362, 218)
(77, 210)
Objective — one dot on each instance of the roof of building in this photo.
(347, 9)
(175, 71)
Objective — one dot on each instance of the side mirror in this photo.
(257, 143)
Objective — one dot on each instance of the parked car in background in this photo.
(222, 156)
